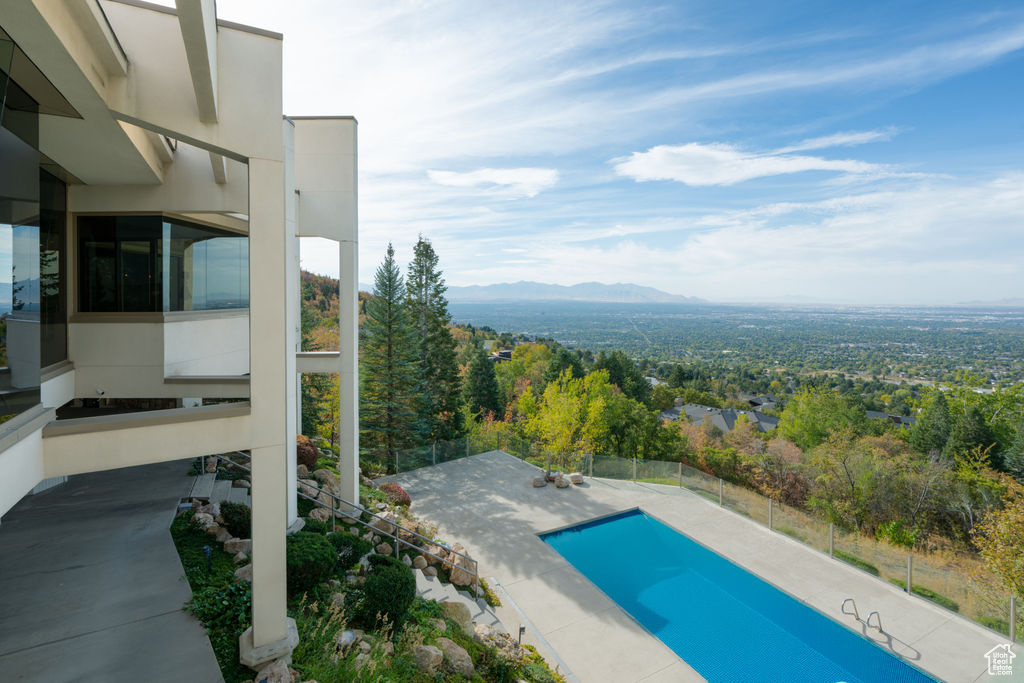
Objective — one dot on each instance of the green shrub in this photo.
(237, 519)
(368, 497)
(315, 526)
(350, 548)
(327, 463)
(857, 562)
(898, 533)
(378, 560)
(388, 592)
(311, 560)
(929, 594)
(396, 494)
(305, 506)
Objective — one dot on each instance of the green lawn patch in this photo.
(929, 594)
(857, 562)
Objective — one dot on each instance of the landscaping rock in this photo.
(219, 533)
(387, 649)
(202, 519)
(384, 549)
(308, 487)
(435, 552)
(385, 523)
(381, 507)
(333, 583)
(241, 484)
(303, 471)
(539, 482)
(365, 646)
(562, 482)
(439, 624)
(320, 514)
(338, 601)
(211, 464)
(428, 658)
(406, 560)
(367, 482)
(238, 545)
(326, 499)
(483, 634)
(553, 475)
(362, 659)
(346, 640)
(244, 573)
(210, 509)
(459, 613)
(275, 672)
(430, 571)
(456, 656)
(354, 530)
(241, 557)
(419, 562)
(576, 478)
(330, 479)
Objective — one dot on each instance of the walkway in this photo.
(91, 587)
(486, 503)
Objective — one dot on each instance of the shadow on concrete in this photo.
(92, 587)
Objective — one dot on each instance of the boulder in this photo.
(576, 478)
(483, 634)
(427, 658)
(308, 487)
(459, 613)
(461, 569)
(419, 562)
(430, 571)
(240, 558)
(553, 475)
(244, 573)
(241, 484)
(275, 672)
(303, 471)
(210, 509)
(346, 640)
(562, 482)
(238, 545)
(384, 523)
(320, 514)
(362, 659)
(353, 530)
(211, 464)
(384, 549)
(435, 551)
(367, 482)
(406, 560)
(338, 601)
(456, 656)
(539, 482)
(202, 519)
(326, 499)
(330, 479)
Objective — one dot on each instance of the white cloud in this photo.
(519, 182)
(720, 164)
(846, 139)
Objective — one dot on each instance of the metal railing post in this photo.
(590, 465)
(680, 474)
(547, 460)
(634, 468)
(910, 573)
(831, 539)
(771, 511)
(433, 453)
(396, 462)
(1013, 618)
(721, 486)
(467, 445)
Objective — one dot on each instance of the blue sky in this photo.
(868, 152)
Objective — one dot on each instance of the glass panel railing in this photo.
(865, 553)
(947, 581)
(746, 502)
(658, 472)
(610, 467)
(701, 483)
(801, 526)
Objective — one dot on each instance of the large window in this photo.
(153, 264)
(52, 270)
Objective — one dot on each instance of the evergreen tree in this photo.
(389, 382)
(563, 359)
(481, 387)
(624, 373)
(1013, 458)
(968, 433)
(438, 366)
(931, 431)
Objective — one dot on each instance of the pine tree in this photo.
(481, 388)
(389, 382)
(1013, 458)
(931, 431)
(435, 346)
(968, 433)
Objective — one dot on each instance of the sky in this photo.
(868, 152)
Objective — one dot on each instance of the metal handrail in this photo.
(878, 616)
(335, 508)
(855, 613)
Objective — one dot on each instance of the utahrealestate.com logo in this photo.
(1000, 660)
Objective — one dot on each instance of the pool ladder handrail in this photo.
(878, 617)
(855, 613)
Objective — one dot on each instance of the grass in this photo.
(929, 594)
(713, 497)
(857, 562)
(660, 480)
(792, 533)
(489, 596)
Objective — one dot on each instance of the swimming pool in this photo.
(723, 621)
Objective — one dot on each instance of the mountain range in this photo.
(620, 292)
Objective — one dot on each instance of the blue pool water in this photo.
(723, 621)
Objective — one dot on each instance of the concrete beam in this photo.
(220, 168)
(198, 20)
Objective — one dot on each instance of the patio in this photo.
(486, 503)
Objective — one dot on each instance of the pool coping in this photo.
(637, 508)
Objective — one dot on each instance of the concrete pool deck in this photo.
(486, 503)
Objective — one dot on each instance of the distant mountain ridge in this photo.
(620, 292)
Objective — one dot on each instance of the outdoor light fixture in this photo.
(208, 552)
(522, 630)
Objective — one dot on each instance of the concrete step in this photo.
(221, 490)
(430, 588)
(203, 487)
(238, 495)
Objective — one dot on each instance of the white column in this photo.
(348, 432)
(270, 385)
(293, 295)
